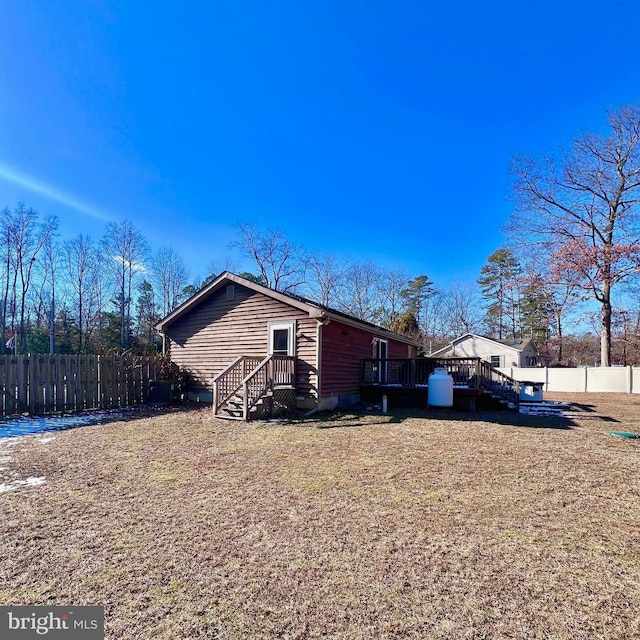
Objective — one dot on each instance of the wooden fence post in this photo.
(22, 379)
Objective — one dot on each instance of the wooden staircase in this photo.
(501, 386)
(246, 389)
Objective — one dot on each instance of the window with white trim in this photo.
(282, 338)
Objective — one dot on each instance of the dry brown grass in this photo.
(441, 526)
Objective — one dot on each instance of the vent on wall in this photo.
(231, 292)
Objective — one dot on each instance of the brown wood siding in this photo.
(343, 347)
(209, 337)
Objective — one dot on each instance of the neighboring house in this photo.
(519, 352)
(229, 328)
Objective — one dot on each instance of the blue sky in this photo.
(373, 130)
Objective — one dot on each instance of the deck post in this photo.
(245, 401)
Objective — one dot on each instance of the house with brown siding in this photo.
(250, 349)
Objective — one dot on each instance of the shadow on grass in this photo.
(514, 419)
(508, 419)
(588, 408)
(348, 419)
(591, 413)
(351, 419)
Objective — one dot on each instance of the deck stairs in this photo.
(499, 386)
(233, 408)
(247, 388)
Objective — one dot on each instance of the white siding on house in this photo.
(477, 347)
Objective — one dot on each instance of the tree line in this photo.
(82, 295)
(85, 295)
(572, 241)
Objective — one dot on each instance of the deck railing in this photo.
(415, 372)
(472, 373)
(402, 372)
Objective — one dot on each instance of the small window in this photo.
(231, 292)
(495, 361)
(281, 342)
(282, 338)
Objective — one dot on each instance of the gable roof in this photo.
(315, 310)
(517, 344)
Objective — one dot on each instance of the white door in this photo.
(282, 342)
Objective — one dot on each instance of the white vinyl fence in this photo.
(591, 379)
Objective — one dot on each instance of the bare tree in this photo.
(42, 303)
(434, 323)
(25, 238)
(6, 224)
(361, 294)
(83, 268)
(326, 276)
(462, 310)
(170, 276)
(280, 262)
(125, 251)
(582, 211)
(216, 266)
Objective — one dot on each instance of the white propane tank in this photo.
(440, 393)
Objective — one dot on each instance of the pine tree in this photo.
(499, 285)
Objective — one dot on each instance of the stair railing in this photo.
(273, 371)
(228, 382)
(253, 378)
(499, 383)
(257, 385)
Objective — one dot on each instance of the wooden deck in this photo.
(472, 377)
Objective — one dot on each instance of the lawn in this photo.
(444, 525)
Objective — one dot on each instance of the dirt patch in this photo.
(348, 526)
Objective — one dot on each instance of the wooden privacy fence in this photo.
(41, 384)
